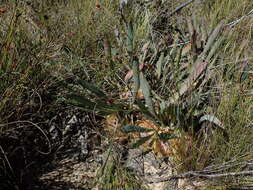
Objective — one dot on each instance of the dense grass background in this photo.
(48, 45)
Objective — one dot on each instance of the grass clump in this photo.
(113, 175)
(181, 82)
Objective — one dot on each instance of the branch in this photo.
(195, 174)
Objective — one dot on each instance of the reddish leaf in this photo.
(145, 47)
(3, 10)
(130, 73)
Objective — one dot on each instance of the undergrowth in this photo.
(184, 72)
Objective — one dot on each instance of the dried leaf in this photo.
(139, 94)
(112, 121)
(160, 147)
(186, 49)
(197, 70)
(147, 124)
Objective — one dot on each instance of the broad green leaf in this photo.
(159, 65)
(178, 58)
(130, 37)
(147, 93)
(134, 129)
(115, 51)
(141, 141)
(92, 88)
(217, 123)
(211, 119)
(81, 101)
(136, 78)
(173, 51)
(101, 107)
(145, 111)
(246, 73)
(88, 105)
(165, 71)
(162, 106)
(166, 136)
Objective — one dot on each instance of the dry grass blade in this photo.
(199, 174)
(214, 49)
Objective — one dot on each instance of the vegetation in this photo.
(176, 76)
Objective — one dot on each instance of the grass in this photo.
(45, 43)
(112, 175)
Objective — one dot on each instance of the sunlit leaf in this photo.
(186, 49)
(211, 119)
